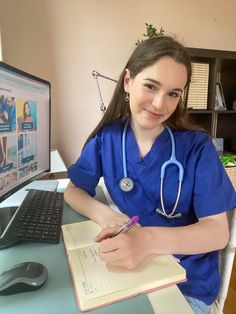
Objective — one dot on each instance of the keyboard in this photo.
(38, 219)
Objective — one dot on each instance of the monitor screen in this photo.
(24, 128)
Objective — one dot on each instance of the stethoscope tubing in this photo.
(167, 163)
(124, 149)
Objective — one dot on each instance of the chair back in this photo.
(226, 264)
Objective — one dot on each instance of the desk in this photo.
(57, 295)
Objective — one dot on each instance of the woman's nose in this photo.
(158, 100)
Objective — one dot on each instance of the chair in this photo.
(226, 264)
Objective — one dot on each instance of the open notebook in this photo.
(96, 284)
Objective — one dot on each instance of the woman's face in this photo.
(27, 109)
(155, 92)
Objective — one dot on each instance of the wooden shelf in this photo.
(222, 69)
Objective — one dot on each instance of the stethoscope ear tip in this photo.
(178, 215)
(159, 211)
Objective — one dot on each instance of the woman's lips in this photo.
(154, 115)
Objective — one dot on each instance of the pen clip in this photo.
(132, 221)
(127, 226)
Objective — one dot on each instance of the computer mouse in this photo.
(26, 276)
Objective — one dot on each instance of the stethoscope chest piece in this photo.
(126, 184)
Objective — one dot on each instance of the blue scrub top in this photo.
(206, 189)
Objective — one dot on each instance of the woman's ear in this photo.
(127, 80)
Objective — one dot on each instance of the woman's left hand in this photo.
(125, 250)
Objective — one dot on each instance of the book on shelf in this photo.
(222, 94)
(219, 98)
(197, 94)
(97, 284)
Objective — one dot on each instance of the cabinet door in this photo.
(226, 129)
(228, 82)
(203, 118)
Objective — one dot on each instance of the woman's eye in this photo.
(174, 95)
(150, 86)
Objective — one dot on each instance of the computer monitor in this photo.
(25, 106)
(25, 113)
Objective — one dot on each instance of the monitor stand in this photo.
(6, 214)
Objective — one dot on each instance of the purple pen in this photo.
(133, 221)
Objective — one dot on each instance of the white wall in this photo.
(0, 46)
(64, 40)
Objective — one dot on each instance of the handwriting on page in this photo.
(98, 279)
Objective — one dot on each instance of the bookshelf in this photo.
(212, 68)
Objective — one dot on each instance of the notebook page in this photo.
(93, 278)
(80, 234)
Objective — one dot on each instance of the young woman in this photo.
(26, 113)
(27, 123)
(182, 208)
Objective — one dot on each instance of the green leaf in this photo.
(151, 32)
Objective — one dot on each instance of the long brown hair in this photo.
(145, 55)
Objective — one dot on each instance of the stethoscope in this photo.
(126, 184)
